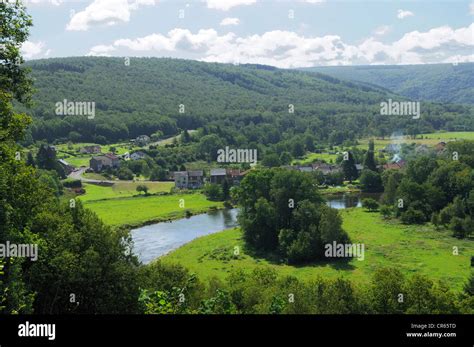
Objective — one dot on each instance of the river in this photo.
(153, 241)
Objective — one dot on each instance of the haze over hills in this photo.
(436, 82)
(145, 97)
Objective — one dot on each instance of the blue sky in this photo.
(286, 34)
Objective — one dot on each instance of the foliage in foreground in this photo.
(263, 292)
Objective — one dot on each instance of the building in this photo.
(195, 179)
(137, 155)
(181, 179)
(93, 149)
(188, 179)
(68, 168)
(325, 168)
(395, 165)
(235, 176)
(218, 176)
(104, 161)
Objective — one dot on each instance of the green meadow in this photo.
(139, 210)
(122, 190)
(412, 249)
(430, 139)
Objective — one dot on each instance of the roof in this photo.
(180, 173)
(196, 173)
(65, 163)
(218, 172)
(111, 156)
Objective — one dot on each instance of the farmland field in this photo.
(122, 189)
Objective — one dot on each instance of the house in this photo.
(181, 179)
(218, 175)
(68, 168)
(195, 179)
(326, 168)
(93, 149)
(142, 140)
(101, 162)
(235, 176)
(188, 179)
(137, 155)
(397, 165)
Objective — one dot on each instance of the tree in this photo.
(285, 158)
(185, 137)
(142, 188)
(387, 288)
(271, 160)
(125, 173)
(213, 191)
(371, 181)
(282, 212)
(158, 174)
(370, 204)
(369, 161)
(209, 145)
(349, 167)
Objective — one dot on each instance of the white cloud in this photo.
(225, 5)
(31, 50)
(101, 50)
(105, 12)
(382, 30)
(289, 49)
(230, 21)
(401, 14)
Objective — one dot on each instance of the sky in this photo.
(282, 33)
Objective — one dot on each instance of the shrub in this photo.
(412, 216)
(370, 204)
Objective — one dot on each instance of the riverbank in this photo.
(133, 212)
(411, 249)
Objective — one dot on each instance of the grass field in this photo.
(135, 211)
(312, 157)
(412, 249)
(122, 190)
(427, 139)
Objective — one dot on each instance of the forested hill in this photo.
(246, 101)
(435, 82)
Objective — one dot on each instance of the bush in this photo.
(125, 174)
(72, 183)
(370, 204)
(412, 216)
(386, 211)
